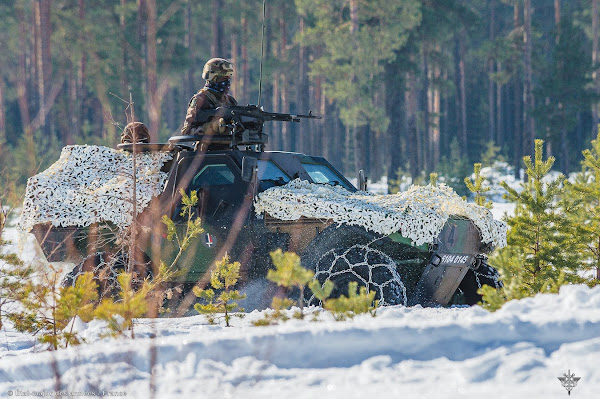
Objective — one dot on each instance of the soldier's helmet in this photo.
(137, 130)
(215, 68)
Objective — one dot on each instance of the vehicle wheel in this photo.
(106, 267)
(466, 293)
(360, 262)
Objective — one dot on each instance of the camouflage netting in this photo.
(418, 213)
(90, 184)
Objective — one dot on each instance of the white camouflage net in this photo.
(418, 213)
(91, 184)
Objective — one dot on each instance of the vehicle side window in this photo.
(213, 175)
(269, 171)
(323, 174)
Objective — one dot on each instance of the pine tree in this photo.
(587, 218)
(131, 304)
(476, 187)
(224, 278)
(289, 273)
(13, 272)
(355, 303)
(48, 310)
(541, 253)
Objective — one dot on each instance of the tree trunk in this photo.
(43, 59)
(154, 102)
(302, 90)
(268, 82)
(217, 30)
(462, 96)
(322, 139)
(235, 83)
(359, 148)
(499, 113)
(81, 84)
(71, 129)
(245, 68)
(2, 116)
(426, 107)
(518, 115)
(23, 94)
(435, 120)
(396, 112)
(444, 123)
(349, 151)
(595, 63)
(528, 100)
(491, 107)
(124, 57)
(285, 106)
(413, 144)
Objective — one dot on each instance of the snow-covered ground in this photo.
(461, 352)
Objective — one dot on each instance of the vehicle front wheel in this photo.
(367, 266)
(466, 293)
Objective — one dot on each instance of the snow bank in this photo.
(418, 213)
(90, 184)
(417, 352)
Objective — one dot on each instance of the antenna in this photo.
(262, 52)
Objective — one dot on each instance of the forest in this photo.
(405, 87)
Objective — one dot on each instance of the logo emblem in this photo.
(569, 381)
(209, 240)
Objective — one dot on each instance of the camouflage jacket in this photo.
(204, 99)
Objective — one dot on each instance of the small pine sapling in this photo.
(355, 303)
(48, 311)
(277, 314)
(433, 179)
(193, 225)
(223, 278)
(289, 273)
(320, 292)
(476, 187)
(13, 273)
(131, 304)
(76, 301)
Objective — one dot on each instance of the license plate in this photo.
(456, 259)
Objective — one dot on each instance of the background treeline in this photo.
(404, 85)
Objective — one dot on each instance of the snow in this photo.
(460, 352)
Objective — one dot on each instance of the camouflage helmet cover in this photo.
(136, 130)
(217, 67)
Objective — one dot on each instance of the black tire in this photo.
(106, 267)
(466, 293)
(349, 254)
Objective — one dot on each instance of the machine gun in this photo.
(244, 122)
(250, 117)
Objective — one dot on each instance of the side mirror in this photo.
(362, 180)
(249, 167)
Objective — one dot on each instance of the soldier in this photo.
(217, 72)
(137, 130)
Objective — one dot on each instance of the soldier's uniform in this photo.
(204, 99)
(217, 72)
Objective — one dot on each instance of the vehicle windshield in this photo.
(269, 172)
(323, 174)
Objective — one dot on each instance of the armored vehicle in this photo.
(426, 246)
